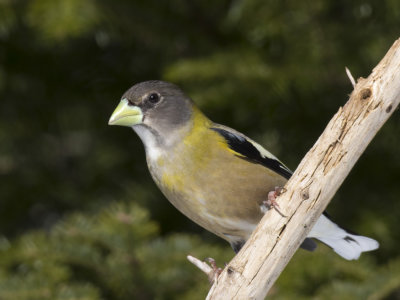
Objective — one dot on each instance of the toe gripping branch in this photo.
(271, 199)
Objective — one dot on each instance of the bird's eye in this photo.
(154, 98)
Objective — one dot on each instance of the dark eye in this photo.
(154, 98)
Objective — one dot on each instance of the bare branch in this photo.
(353, 82)
(203, 266)
(253, 271)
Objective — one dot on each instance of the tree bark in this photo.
(253, 271)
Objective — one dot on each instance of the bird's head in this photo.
(154, 109)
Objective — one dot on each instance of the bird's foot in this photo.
(271, 199)
(214, 274)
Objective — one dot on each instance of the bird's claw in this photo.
(271, 199)
(212, 276)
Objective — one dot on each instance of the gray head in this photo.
(156, 110)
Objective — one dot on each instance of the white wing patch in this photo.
(265, 153)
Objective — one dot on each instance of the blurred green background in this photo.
(80, 217)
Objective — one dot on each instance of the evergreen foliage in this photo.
(271, 69)
(115, 254)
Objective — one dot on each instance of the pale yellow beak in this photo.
(126, 115)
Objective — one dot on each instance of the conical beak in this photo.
(126, 115)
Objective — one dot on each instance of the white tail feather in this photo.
(349, 246)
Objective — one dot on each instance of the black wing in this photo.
(249, 152)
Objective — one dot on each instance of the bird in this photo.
(216, 176)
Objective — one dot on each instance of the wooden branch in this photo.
(351, 78)
(252, 272)
(212, 273)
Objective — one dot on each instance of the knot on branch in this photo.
(365, 94)
(305, 194)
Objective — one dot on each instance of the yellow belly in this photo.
(222, 193)
(210, 183)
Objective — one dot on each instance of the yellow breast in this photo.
(211, 184)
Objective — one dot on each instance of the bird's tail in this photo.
(347, 245)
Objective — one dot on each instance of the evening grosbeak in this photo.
(213, 174)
